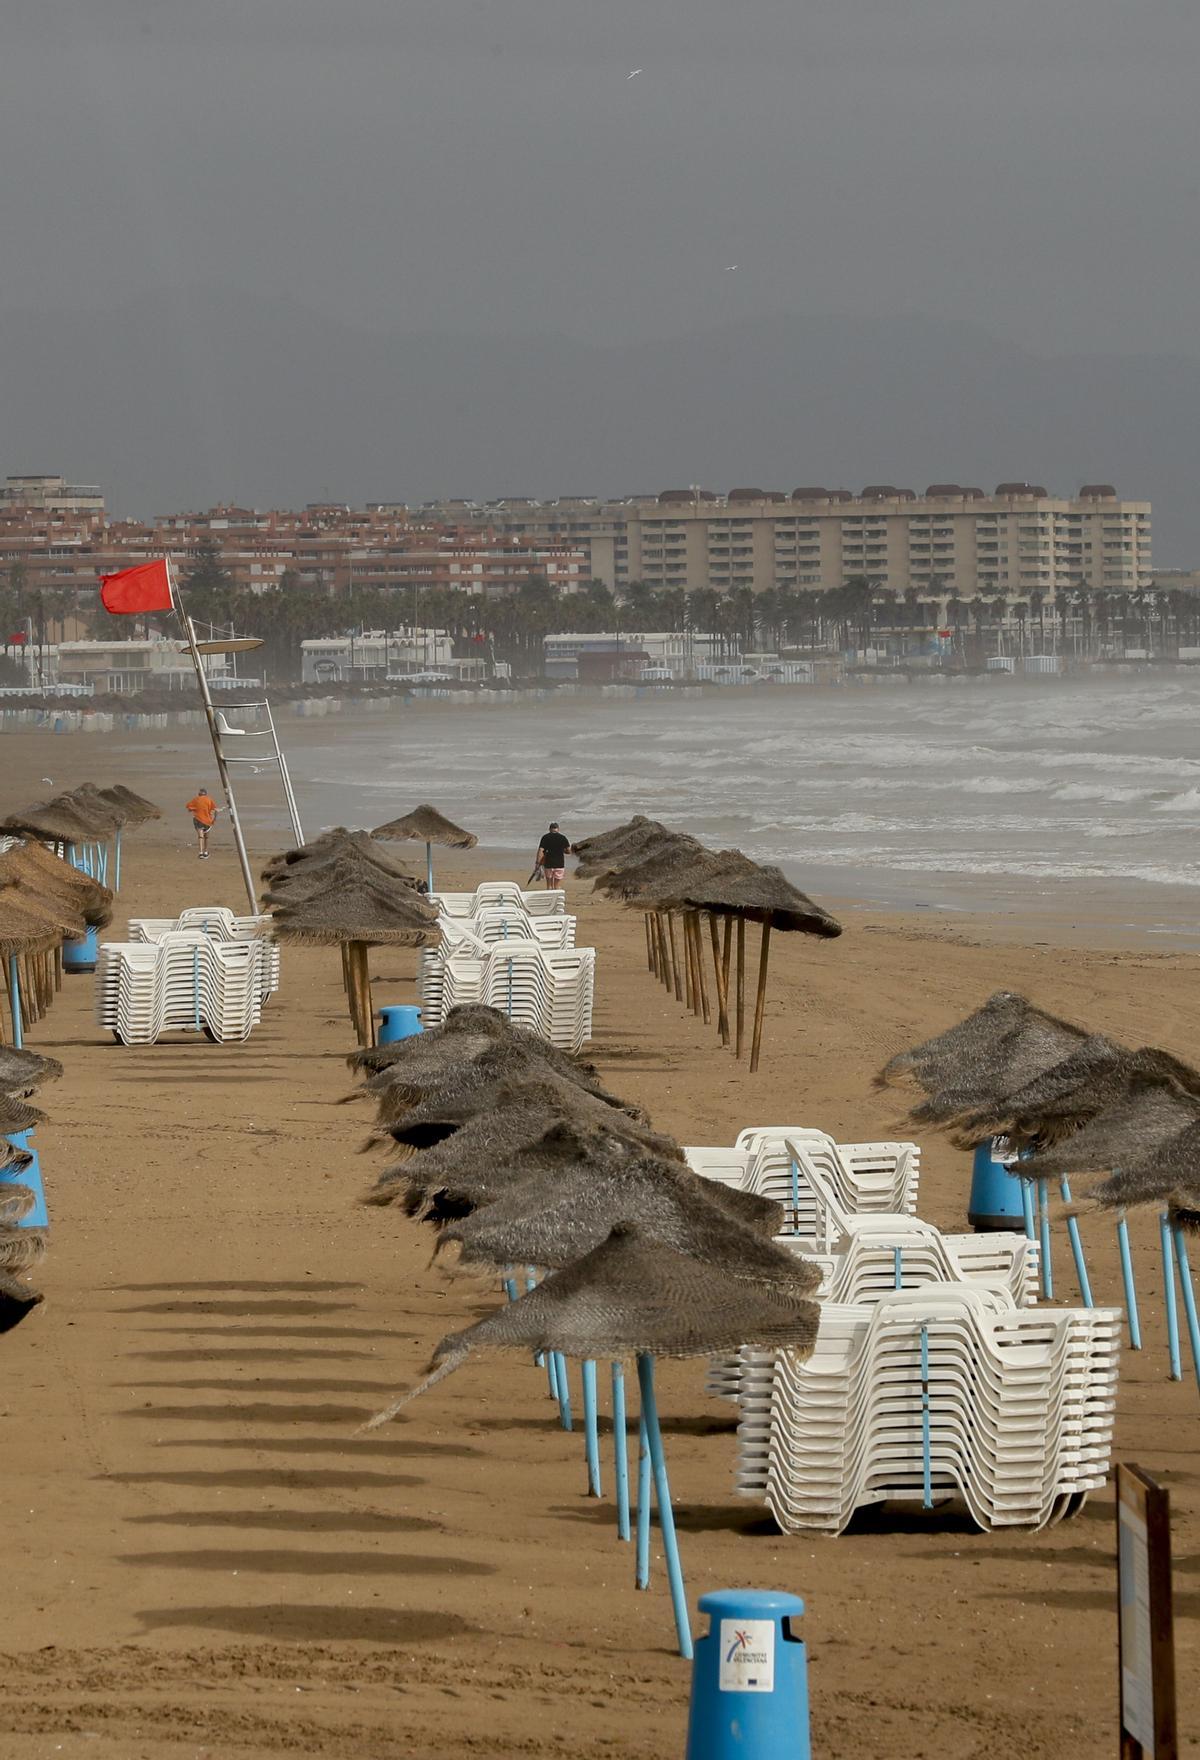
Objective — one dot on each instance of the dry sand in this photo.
(202, 1558)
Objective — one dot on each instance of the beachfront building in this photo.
(376, 655)
(46, 494)
(666, 654)
(949, 542)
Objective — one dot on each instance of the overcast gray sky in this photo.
(487, 166)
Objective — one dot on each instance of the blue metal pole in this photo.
(564, 1393)
(14, 998)
(1027, 1207)
(1044, 1237)
(117, 861)
(552, 1373)
(642, 1566)
(1168, 1259)
(591, 1427)
(1189, 1299)
(926, 1458)
(795, 1197)
(196, 987)
(429, 866)
(510, 1288)
(620, 1450)
(749, 1696)
(898, 1266)
(662, 1496)
(1131, 1306)
(1085, 1288)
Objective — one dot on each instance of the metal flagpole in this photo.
(215, 736)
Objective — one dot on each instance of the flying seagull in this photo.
(730, 266)
(635, 73)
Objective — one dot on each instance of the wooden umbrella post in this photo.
(689, 986)
(700, 979)
(675, 973)
(741, 984)
(649, 944)
(360, 991)
(664, 952)
(719, 981)
(760, 1001)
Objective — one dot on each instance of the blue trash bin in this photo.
(996, 1200)
(399, 1020)
(30, 1176)
(81, 955)
(749, 1679)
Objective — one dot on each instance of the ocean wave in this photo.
(1111, 793)
(1187, 802)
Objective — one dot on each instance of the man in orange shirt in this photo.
(204, 810)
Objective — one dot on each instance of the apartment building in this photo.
(51, 495)
(949, 541)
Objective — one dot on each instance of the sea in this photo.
(947, 796)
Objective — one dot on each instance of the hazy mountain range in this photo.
(178, 401)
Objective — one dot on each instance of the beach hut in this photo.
(426, 825)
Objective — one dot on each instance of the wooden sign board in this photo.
(1147, 1640)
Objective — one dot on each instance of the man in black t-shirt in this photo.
(552, 856)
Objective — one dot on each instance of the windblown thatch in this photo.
(328, 858)
(137, 809)
(621, 847)
(23, 1072)
(1069, 1094)
(452, 1064)
(992, 1053)
(672, 855)
(61, 820)
(427, 825)
(355, 906)
(29, 924)
(550, 1220)
(41, 874)
(98, 805)
(17, 1300)
(761, 895)
(1133, 1130)
(627, 1296)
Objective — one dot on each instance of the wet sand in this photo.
(202, 1558)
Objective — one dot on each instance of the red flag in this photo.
(18, 640)
(135, 590)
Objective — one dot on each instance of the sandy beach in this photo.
(202, 1557)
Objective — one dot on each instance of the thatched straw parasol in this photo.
(459, 1063)
(23, 1072)
(137, 809)
(16, 1298)
(351, 903)
(551, 1219)
(61, 820)
(622, 845)
(632, 1296)
(761, 895)
(994, 1052)
(1060, 1101)
(41, 873)
(426, 825)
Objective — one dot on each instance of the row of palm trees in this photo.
(858, 614)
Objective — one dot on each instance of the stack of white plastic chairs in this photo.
(496, 893)
(548, 990)
(933, 1374)
(947, 1390)
(184, 980)
(220, 924)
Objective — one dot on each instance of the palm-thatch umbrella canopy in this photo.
(1069, 1094)
(100, 815)
(646, 873)
(552, 1219)
(995, 1051)
(23, 1072)
(632, 1296)
(349, 899)
(61, 820)
(136, 808)
(460, 1063)
(426, 825)
(42, 874)
(504, 1079)
(19, 1248)
(621, 846)
(1130, 1131)
(305, 867)
(103, 806)
(735, 888)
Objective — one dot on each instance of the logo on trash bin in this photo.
(747, 1656)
